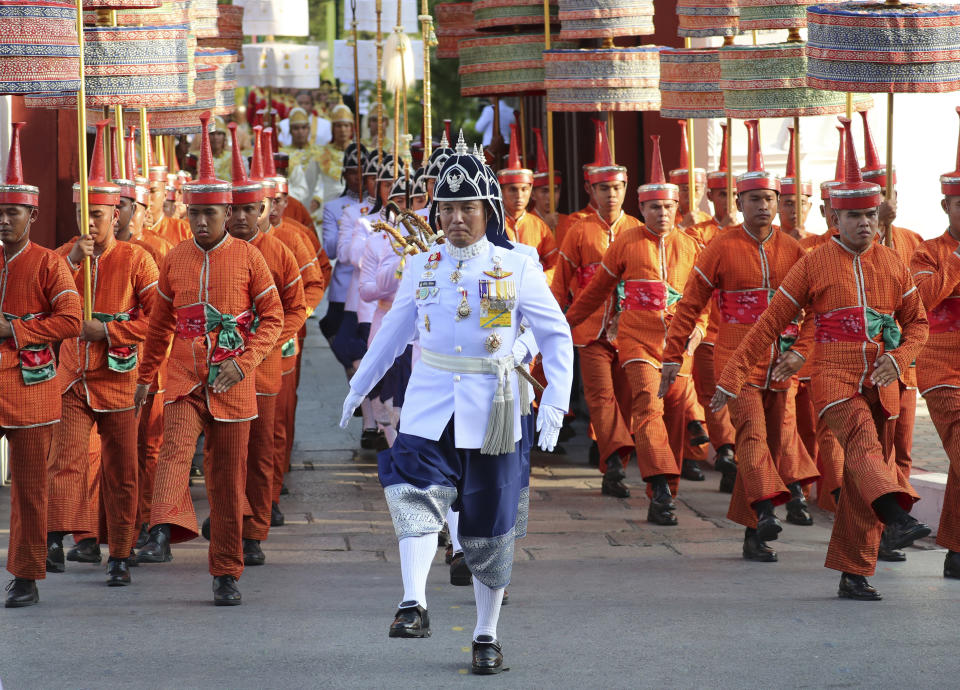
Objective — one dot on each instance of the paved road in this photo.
(599, 598)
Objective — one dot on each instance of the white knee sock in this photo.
(488, 609)
(416, 557)
(453, 521)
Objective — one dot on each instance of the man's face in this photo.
(124, 214)
(857, 227)
(278, 207)
(385, 186)
(659, 215)
(372, 125)
(351, 178)
(400, 200)
(208, 222)
(342, 133)
(370, 184)
(418, 202)
(826, 210)
(541, 198)
(14, 222)
(305, 101)
(685, 195)
(608, 197)
(516, 196)
(139, 216)
(758, 206)
(218, 140)
(263, 221)
(951, 206)
(101, 223)
(169, 208)
(300, 134)
(157, 196)
(462, 222)
(718, 197)
(431, 185)
(788, 211)
(243, 221)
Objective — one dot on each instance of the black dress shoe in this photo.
(252, 553)
(798, 512)
(118, 572)
(460, 575)
(725, 460)
(196, 471)
(697, 434)
(768, 526)
(487, 656)
(903, 532)
(276, 517)
(661, 513)
(412, 620)
(132, 559)
(890, 555)
(614, 487)
(205, 528)
(857, 587)
(754, 549)
(55, 559)
(593, 456)
(225, 591)
(157, 548)
(443, 539)
(143, 535)
(727, 482)
(691, 471)
(368, 439)
(380, 443)
(21, 592)
(87, 551)
(284, 491)
(951, 565)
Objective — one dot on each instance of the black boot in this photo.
(86, 551)
(614, 487)
(55, 560)
(21, 592)
(142, 536)
(885, 553)
(691, 471)
(225, 591)
(797, 509)
(903, 531)
(755, 549)
(157, 548)
(768, 526)
(205, 528)
(132, 559)
(252, 553)
(725, 460)
(411, 620)
(857, 587)
(951, 565)
(276, 517)
(662, 506)
(460, 575)
(368, 438)
(593, 456)
(487, 656)
(118, 572)
(696, 434)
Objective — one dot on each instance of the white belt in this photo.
(498, 438)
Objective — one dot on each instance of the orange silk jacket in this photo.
(124, 279)
(654, 268)
(204, 290)
(529, 229)
(739, 273)
(583, 249)
(905, 243)
(841, 288)
(173, 230)
(936, 272)
(39, 299)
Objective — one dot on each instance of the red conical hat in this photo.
(126, 184)
(540, 177)
(13, 190)
(681, 174)
(756, 177)
(207, 189)
(245, 191)
(873, 170)
(100, 192)
(950, 183)
(841, 166)
(854, 193)
(514, 173)
(717, 179)
(657, 187)
(788, 184)
(156, 172)
(257, 173)
(603, 169)
(270, 163)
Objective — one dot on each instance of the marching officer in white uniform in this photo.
(460, 425)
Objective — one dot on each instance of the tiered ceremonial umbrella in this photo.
(592, 19)
(506, 14)
(889, 47)
(775, 14)
(229, 29)
(225, 62)
(454, 22)
(40, 50)
(701, 18)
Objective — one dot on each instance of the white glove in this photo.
(351, 403)
(549, 421)
(520, 352)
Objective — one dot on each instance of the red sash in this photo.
(742, 306)
(585, 274)
(644, 295)
(846, 325)
(945, 317)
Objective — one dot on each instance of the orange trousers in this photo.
(92, 513)
(806, 417)
(719, 426)
(903, 436)
(260, 469)
(285, 407)
(829, 464)
(68, 508)
(654, 419)
(600, 369)
(224, 470)
(149, 441)
(943, 404)
(29, 449)
(794, 463)
(760, 419)
(865, 433)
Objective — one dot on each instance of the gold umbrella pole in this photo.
(144, 144)
(691, 172)
(849, 105)
(82, 146)
(888, 229)
(546, 45)
(611, 136)
(118, 141)
(426, 28)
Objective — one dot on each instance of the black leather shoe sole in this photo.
(410, 623)
(83, 556)
(662, 517)
(890, 555)
(757, 552)
(226, 602)
(897, 539)
(254, 558)
(798, 516)
(615, 489)
(768, 530)
(21, 603)
(692, 474)
(143, 557)
(950, 572)
(858, 594)
(118, 580)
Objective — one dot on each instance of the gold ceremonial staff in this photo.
(82, 146)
